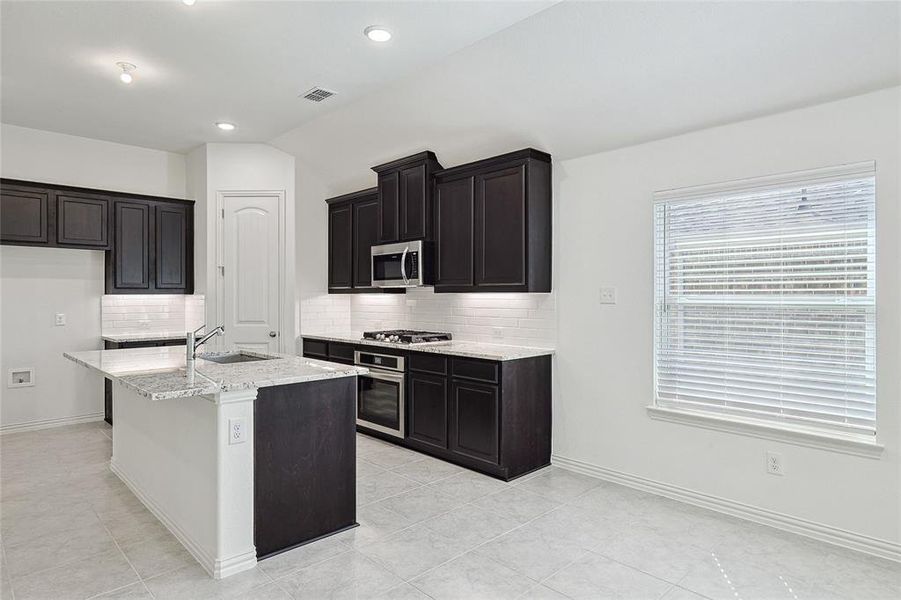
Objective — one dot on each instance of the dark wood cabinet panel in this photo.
(454, 203)
(315, 349)
(342, 353)
(304, 463)
(366, 221)
(82, 220)
(25, 215)
(413, 203)
(340, 247)
(174, 263)
(474, 421)
(389, 207)
(405, 198)
(131, 255)
(500, 228)
(427, 409)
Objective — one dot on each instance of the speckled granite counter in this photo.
(159, 373)
(144, 336)
(453, 348)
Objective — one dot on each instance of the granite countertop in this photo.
(481, 350)
(144, 336)
(159, 373)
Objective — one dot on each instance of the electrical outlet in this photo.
(237, 431)
(497, 332)
(608, 295)
(59, 319)
(774, 464)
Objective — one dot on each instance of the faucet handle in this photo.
(199, 328)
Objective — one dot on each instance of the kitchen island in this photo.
(255, 456)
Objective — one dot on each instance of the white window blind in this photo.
(765, 299)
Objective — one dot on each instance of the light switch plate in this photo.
(608, 295)
(237, 431)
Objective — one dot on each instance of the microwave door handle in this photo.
(403, 265)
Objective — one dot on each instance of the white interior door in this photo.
(250, 275)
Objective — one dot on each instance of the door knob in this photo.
(272, 334)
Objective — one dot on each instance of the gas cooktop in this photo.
(406, 336)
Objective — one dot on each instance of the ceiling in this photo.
(584, 77)
(465, 79)
(244, 62)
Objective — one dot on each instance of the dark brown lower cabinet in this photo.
(426, 404)
(474, 416)
(304, 463)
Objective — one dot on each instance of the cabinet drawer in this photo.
(315, 348)
(479, 370)
(339, 352)
(428, 363)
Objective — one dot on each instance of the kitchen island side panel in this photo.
(304, 462)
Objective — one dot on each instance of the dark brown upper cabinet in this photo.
(353, 228)
(149, 241)
(153, 248)
(82, 220)
(172, 252)
(492, 225)
(405, 198)
(25, 215)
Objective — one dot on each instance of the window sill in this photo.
(837, 442)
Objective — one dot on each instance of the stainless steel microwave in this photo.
(406, 264)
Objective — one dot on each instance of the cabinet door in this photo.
(131, 260)
(340, 247)
(172, 232)
(474, 420)
(366, 229)
(82, 220)
(427, 409)
(453, 233)
(413, 203)
(24, 215)
(500, 229)
(389, 207)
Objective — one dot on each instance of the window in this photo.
(765, 300)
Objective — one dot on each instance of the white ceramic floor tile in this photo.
(157, 555)
(376, 522)
(473, 576)
(596, 578)
(414, 551)
(559, 484)
(468, 486)
(194, 583)
(471, 524)
(135, 591)
(532, 552)
(542, 592)
(303, 556)
(427, 470)
(349, 575)
(78, 579)
(421, 503)
(373, 488)
(403, 592)
(518, 504)
(55, 549)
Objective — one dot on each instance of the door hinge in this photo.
(222, 213)
(221, 270)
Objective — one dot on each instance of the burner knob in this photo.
(380, 336)
(395, 338)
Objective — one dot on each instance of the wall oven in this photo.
(380, 393)
(407, 264)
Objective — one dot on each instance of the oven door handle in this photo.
(381, 375)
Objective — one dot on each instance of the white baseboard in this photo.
(818, 531)
(217, 568)
(48, 423)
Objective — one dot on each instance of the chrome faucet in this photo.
(191, 345)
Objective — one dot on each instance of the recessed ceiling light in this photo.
(188, 2)
(377, 33)
(125, 76)
(225, 126)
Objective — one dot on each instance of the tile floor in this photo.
(70, 529)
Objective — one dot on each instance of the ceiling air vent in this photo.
(317, 94)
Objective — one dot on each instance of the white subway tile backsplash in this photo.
(151, 313)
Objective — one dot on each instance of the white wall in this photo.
(604, 353)
(214, 168)
(38, 282)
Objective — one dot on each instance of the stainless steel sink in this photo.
(233, 357)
